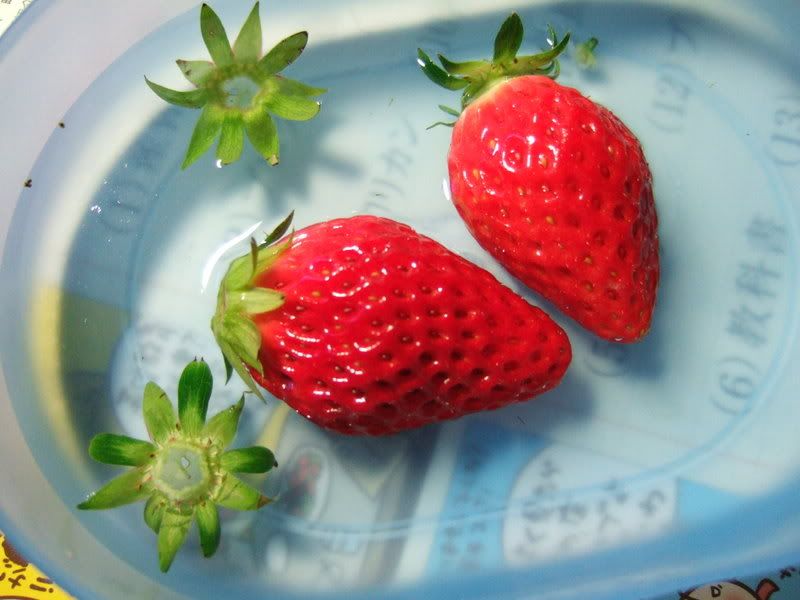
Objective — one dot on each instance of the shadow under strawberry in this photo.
(392, 471)
(572, 402)
(303, 153)
(286, 185)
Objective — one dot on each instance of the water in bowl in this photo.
(124, 251)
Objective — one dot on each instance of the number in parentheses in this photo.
(669, 106)
(784, 142)
(737, 379)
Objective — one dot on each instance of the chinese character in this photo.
(605, 517)
(397, 162)
(572, 513)
(749, 325)
(755, 279)
(549, 469)
(533, 537)
(767, 235)
(534, 513)
(384, 187)
(651, 504)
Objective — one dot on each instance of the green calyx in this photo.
(239, 299)
(477, 77)
(241, 90)
(185, 471)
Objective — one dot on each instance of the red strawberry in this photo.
(364, 326)
(554, 186)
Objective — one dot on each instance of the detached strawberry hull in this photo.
(383, 330)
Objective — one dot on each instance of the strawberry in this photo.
(553, 185)
(364, 326)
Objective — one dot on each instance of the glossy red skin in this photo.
(383, 330)
(558, 190)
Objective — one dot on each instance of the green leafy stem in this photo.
(185, 471)
(240, 90)
(477, 77)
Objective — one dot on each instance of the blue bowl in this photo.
(652, 467)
